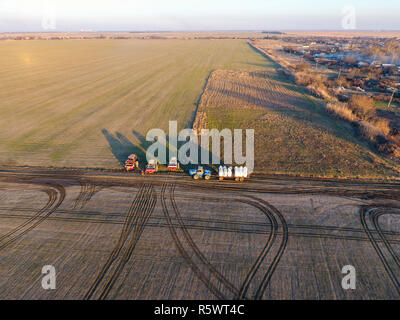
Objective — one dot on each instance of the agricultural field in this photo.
(294, 133)
(88, 103)
(85, 104)
(169, 238)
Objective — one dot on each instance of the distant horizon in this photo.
(202, 31)
(191, 16)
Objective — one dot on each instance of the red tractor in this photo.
(132, 163)
(173, 164)
(152, 167)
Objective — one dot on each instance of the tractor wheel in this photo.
(207, 177)
(196, 177)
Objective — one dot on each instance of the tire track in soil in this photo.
(86, 193)
(370, 211)
(285, 236)
(229, 229)
(212, 271)
(230, 223)
(138, 214)
(277, 219)
(135, 236)
(375, 221)
(270, 242)
(55, 192)
(269, 212)
(193, 266)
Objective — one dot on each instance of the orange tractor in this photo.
(132, 163)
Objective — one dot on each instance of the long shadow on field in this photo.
(144, 145)
(122, 147)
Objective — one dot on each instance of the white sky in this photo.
(102, 15)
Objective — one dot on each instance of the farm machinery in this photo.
(237, 173)
(224, 173)
(132, 163)
(200, 173)
(173, 164)
(152, 167)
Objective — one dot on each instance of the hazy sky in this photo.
(113, 15)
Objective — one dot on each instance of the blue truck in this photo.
(200, 173)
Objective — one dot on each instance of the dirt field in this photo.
(113, 237)
(88, 103)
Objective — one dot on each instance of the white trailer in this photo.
(236, 173)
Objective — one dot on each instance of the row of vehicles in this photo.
(236, 173)
(132, 164)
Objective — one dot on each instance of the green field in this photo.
(88, 103)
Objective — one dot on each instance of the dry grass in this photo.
(319, 89)
(341, 111)
(363, 107)
(294, 134)
(375, 130)
(358, 109)
(368, 131)
(382, 125)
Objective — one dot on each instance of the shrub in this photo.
(342, 82)
(369, 132)
(303, 79)
(341, 111)
(383, 125)
(319, 89)
(363, 107)
(303, 67)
